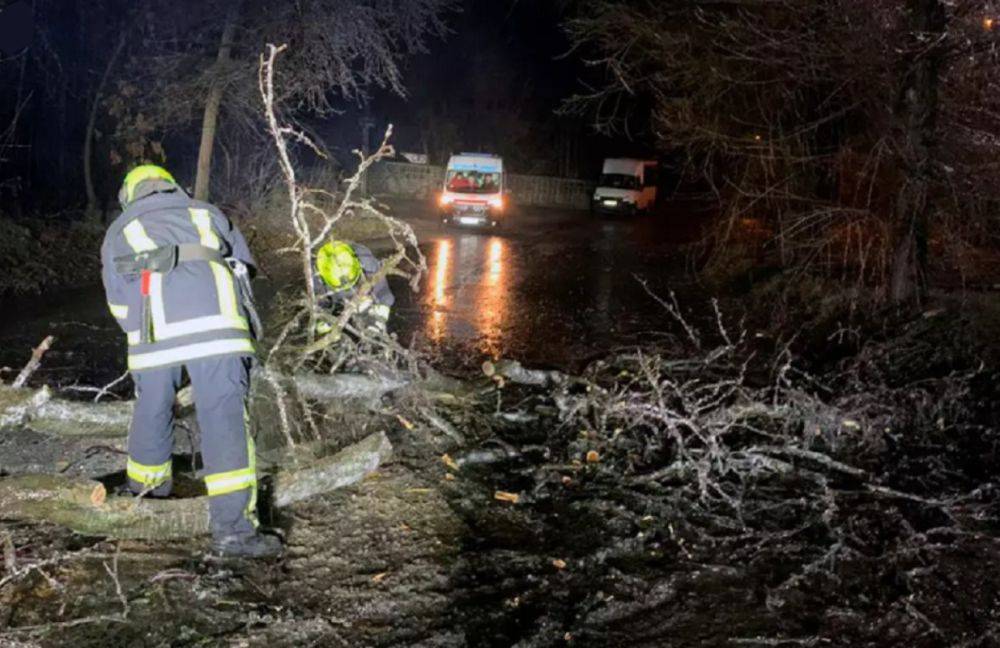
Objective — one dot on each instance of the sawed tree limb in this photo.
(84, 505)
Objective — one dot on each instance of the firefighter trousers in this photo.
(221, 385)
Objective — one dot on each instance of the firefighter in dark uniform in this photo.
(176, 276)
(340, 267)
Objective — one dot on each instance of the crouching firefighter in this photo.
(340, 268)
(176, 276)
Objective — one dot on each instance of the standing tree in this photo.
(201, 64)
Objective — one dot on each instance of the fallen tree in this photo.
(85, 506)
(42, 411)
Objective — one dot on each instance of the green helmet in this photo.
(138, 175)
(337, 265)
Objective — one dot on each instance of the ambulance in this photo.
(474, 191)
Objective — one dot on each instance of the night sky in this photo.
(495, 84)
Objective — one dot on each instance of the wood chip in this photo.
(567, 480)
(593, 457)
(449, 477)
(448, 461)
(504, 496)
(378, 578)
(558, 563)
(405, 422)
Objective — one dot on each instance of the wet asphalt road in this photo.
(549, 287)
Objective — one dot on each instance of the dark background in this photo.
(495, 83)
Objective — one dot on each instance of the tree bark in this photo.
(917, 113)
(41, 412)
(88, 138)
(84, 506)
(210, 119)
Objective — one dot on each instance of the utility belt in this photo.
(166, 258)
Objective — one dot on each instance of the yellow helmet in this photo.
(337, 265)
(140, 174)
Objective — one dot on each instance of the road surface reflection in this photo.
(469, 291)
(552, 288)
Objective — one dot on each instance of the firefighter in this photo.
(176, 276)
(340, 266)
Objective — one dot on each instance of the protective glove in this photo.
(375, 326)
(376, 318)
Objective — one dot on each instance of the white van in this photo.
(626, 186)
(474, 188)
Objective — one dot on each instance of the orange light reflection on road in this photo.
(493, 299)
(496, 262)
(440, 285)
(441, 272)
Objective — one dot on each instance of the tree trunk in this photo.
(84, 506)
(88, 139)
(211, 117)
(917, 113)
(38, 409)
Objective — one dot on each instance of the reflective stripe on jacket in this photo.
(195, 309)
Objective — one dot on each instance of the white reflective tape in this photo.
(148, 475)
(229, 314)
(138, 240)
(189, 352)
(226, 290)
(118, 310)
(203, 222)
(162, 330)
(232, 481)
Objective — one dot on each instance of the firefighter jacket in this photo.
(192, 310)
(381, 295)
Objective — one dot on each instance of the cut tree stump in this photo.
(84, 506)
